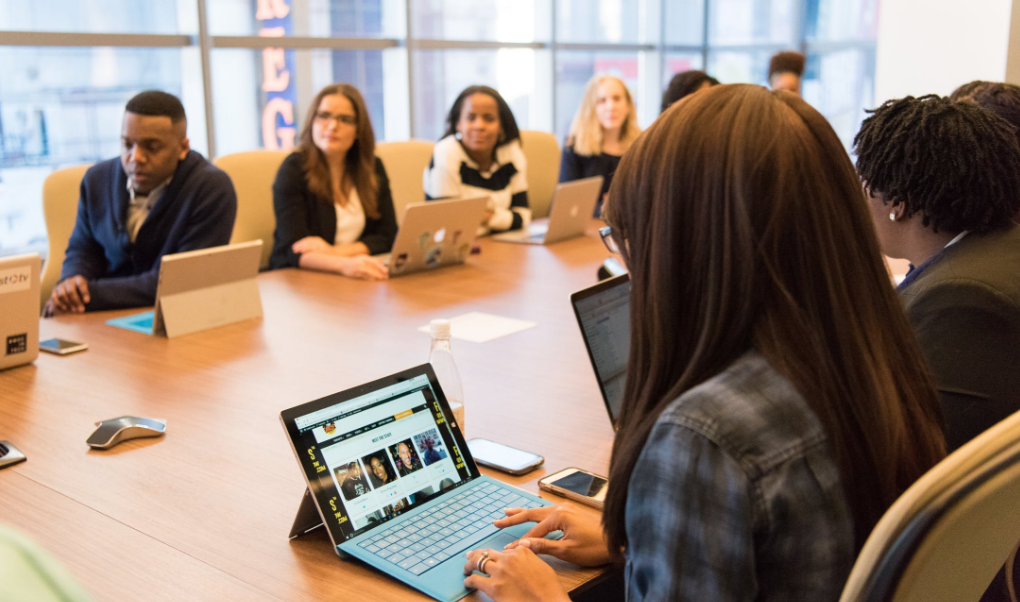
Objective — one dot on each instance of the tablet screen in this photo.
(380, 453)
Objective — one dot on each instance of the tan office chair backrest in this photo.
(937, 521)
(253, 173)
(61, 190)
(543, 155)
(405, 164)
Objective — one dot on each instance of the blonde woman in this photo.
(603, 129)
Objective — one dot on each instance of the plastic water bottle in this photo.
(442, 362)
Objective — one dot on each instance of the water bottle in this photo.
(442, 362)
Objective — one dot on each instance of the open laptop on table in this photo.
(391, 477)
(19, 309)
(603, 313)
(435, 234)
(569, 215)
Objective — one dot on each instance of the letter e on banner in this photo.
(278, 138)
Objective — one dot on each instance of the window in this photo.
(72, 64)
(441, 75)
(63, 106)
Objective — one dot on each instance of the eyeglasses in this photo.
(607, 238)
(344, 119)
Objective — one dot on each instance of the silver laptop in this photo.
(572, 206)
(435, 234)
(391, 477)
(19, 309)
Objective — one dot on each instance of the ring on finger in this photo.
(481, 562)
(481, 565)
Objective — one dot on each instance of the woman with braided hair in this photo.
(943, 181)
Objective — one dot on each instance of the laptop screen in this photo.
(603, 313)
(377, 451)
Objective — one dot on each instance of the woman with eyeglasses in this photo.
(331, 196)
(776, 401)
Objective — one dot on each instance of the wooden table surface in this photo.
(204, 512)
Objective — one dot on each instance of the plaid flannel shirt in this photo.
(736, 496)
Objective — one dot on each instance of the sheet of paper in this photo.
(479, 327)
(136, 322)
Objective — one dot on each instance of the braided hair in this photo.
(954, 163)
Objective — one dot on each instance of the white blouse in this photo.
(350, 220)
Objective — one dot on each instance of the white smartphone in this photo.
(503, 457)
(578, 485)
(61, 347)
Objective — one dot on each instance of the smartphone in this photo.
(503, 457)
(61, 347)
(578, 485)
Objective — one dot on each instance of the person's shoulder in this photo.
(978, 266)
(202, 171)
(102, 170)
(750, 411)
(448, 149)
(380, 168)
(511, 152)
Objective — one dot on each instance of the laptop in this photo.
(435, 234)
(202, 289)
(19, 309)
(569, 215)
(392, 479)
(603, 313)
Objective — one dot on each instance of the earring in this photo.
(892, 216)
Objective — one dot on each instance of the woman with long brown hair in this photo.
(331, 196)
(776, 402)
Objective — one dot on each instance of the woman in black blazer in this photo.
(332, 197)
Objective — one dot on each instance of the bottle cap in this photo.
(440, 329)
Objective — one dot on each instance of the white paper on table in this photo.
(479, 327)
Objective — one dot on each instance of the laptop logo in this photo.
(17, 343)
(440, 235)
(15, 279)
(573, 211)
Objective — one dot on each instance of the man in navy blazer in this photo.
(160, 197)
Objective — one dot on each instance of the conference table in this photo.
(204, 512)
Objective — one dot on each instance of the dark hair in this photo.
(506, 116)
(966, 90)
(744, 226)
(787, 62)
(156, 103)
(954, 163)
(359, 170)
(684, 83)
(996, 97)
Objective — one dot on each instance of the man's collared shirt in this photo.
(140, 206)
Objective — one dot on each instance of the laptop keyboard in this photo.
(447, 528)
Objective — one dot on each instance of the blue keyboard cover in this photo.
(450, 527)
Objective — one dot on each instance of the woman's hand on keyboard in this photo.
(514, 576)
(583, 542)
